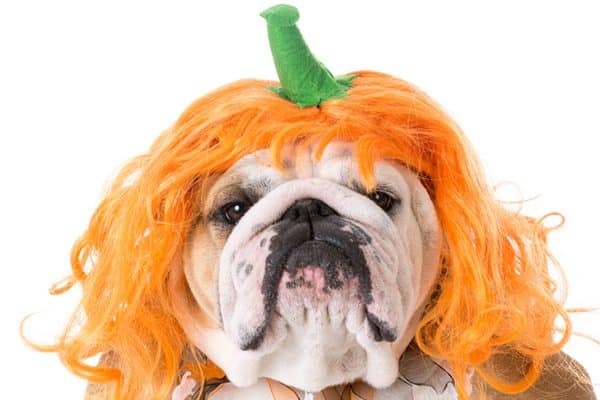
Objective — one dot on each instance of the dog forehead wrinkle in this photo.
(248, 174)
(259, 186)
(255, 177)
(345, 171)
(338, 149)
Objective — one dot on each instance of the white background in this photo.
(86, 85)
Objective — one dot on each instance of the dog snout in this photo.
(306, 210)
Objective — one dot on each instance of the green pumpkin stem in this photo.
(304, 80)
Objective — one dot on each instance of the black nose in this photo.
(307, 210)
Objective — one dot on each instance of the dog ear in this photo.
(429, 228)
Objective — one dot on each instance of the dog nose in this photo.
(308, 209)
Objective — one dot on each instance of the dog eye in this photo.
(234, 211)
(383, 200)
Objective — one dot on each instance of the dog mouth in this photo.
(318, 282)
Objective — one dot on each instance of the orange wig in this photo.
(494, 291)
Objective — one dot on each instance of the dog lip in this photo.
(253, 342)
(380, 329)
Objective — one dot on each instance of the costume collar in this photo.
(420, 377)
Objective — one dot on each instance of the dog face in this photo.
(303, 277)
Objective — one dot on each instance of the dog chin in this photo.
(318, 347)
(315, 322)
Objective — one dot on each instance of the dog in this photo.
(291, 266)
(307, 279)
(300, 281)
(329, 238)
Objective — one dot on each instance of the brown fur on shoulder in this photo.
(101, 391)
(562, 378)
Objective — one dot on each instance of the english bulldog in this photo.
(301, 278)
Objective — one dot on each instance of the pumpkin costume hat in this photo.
(304, 80)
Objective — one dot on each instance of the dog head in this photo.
(307, 278)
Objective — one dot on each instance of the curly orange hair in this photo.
(495, 289)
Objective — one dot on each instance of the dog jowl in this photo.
(314, 253)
